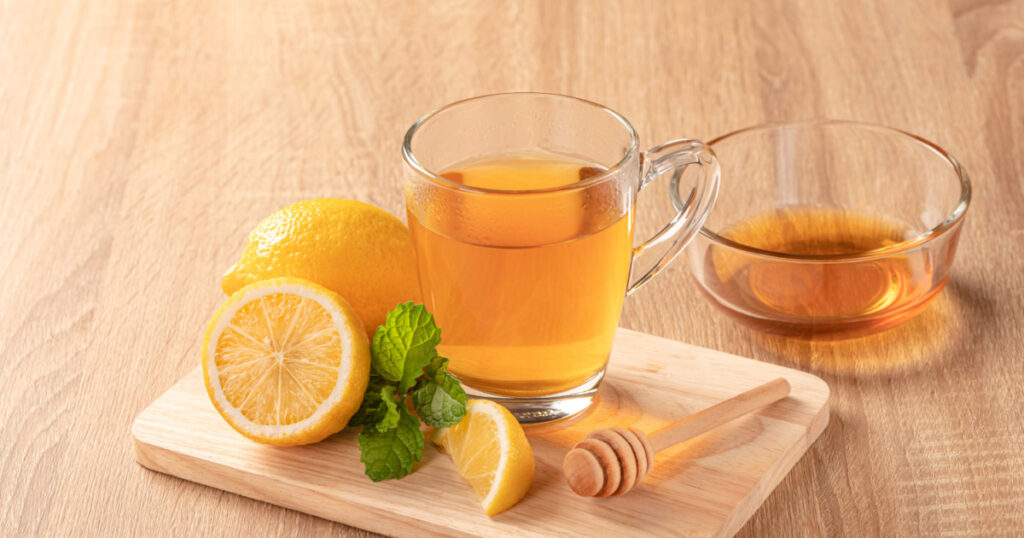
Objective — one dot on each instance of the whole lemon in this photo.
(352, 248)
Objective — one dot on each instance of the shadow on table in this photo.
(946, 331)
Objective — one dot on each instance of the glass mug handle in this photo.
(674, 157)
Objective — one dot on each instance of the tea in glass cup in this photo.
(538, 295)
(521, 208)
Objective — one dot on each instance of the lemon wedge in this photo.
(286, 361)
(491, 452)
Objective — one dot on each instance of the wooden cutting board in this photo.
(708, 486)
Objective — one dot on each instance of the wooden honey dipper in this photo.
(612, 461)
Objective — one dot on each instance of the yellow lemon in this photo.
(354, 249)
(286, 362)
(491, 452)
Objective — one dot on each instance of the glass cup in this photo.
(521, 208)
(829, 228)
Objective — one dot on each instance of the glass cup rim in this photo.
(414, 163)
(949, 222)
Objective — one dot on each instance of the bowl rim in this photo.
(951, 221)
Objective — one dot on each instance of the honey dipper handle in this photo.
(719, 414)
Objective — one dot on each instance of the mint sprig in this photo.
(404, 366)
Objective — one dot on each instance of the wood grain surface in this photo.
(708, 487)
(141, 140)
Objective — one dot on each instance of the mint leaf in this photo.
(379, 409)
(392, 453)
(440, 401)
(405, 344)
(438, 397)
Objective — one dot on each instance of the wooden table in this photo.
(140, 141)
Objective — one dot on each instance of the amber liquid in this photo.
(818, 296)
(527, 289)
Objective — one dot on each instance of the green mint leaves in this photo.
(404, 366)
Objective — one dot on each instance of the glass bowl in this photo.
(829, 227)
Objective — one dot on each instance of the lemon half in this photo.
(286, 361)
